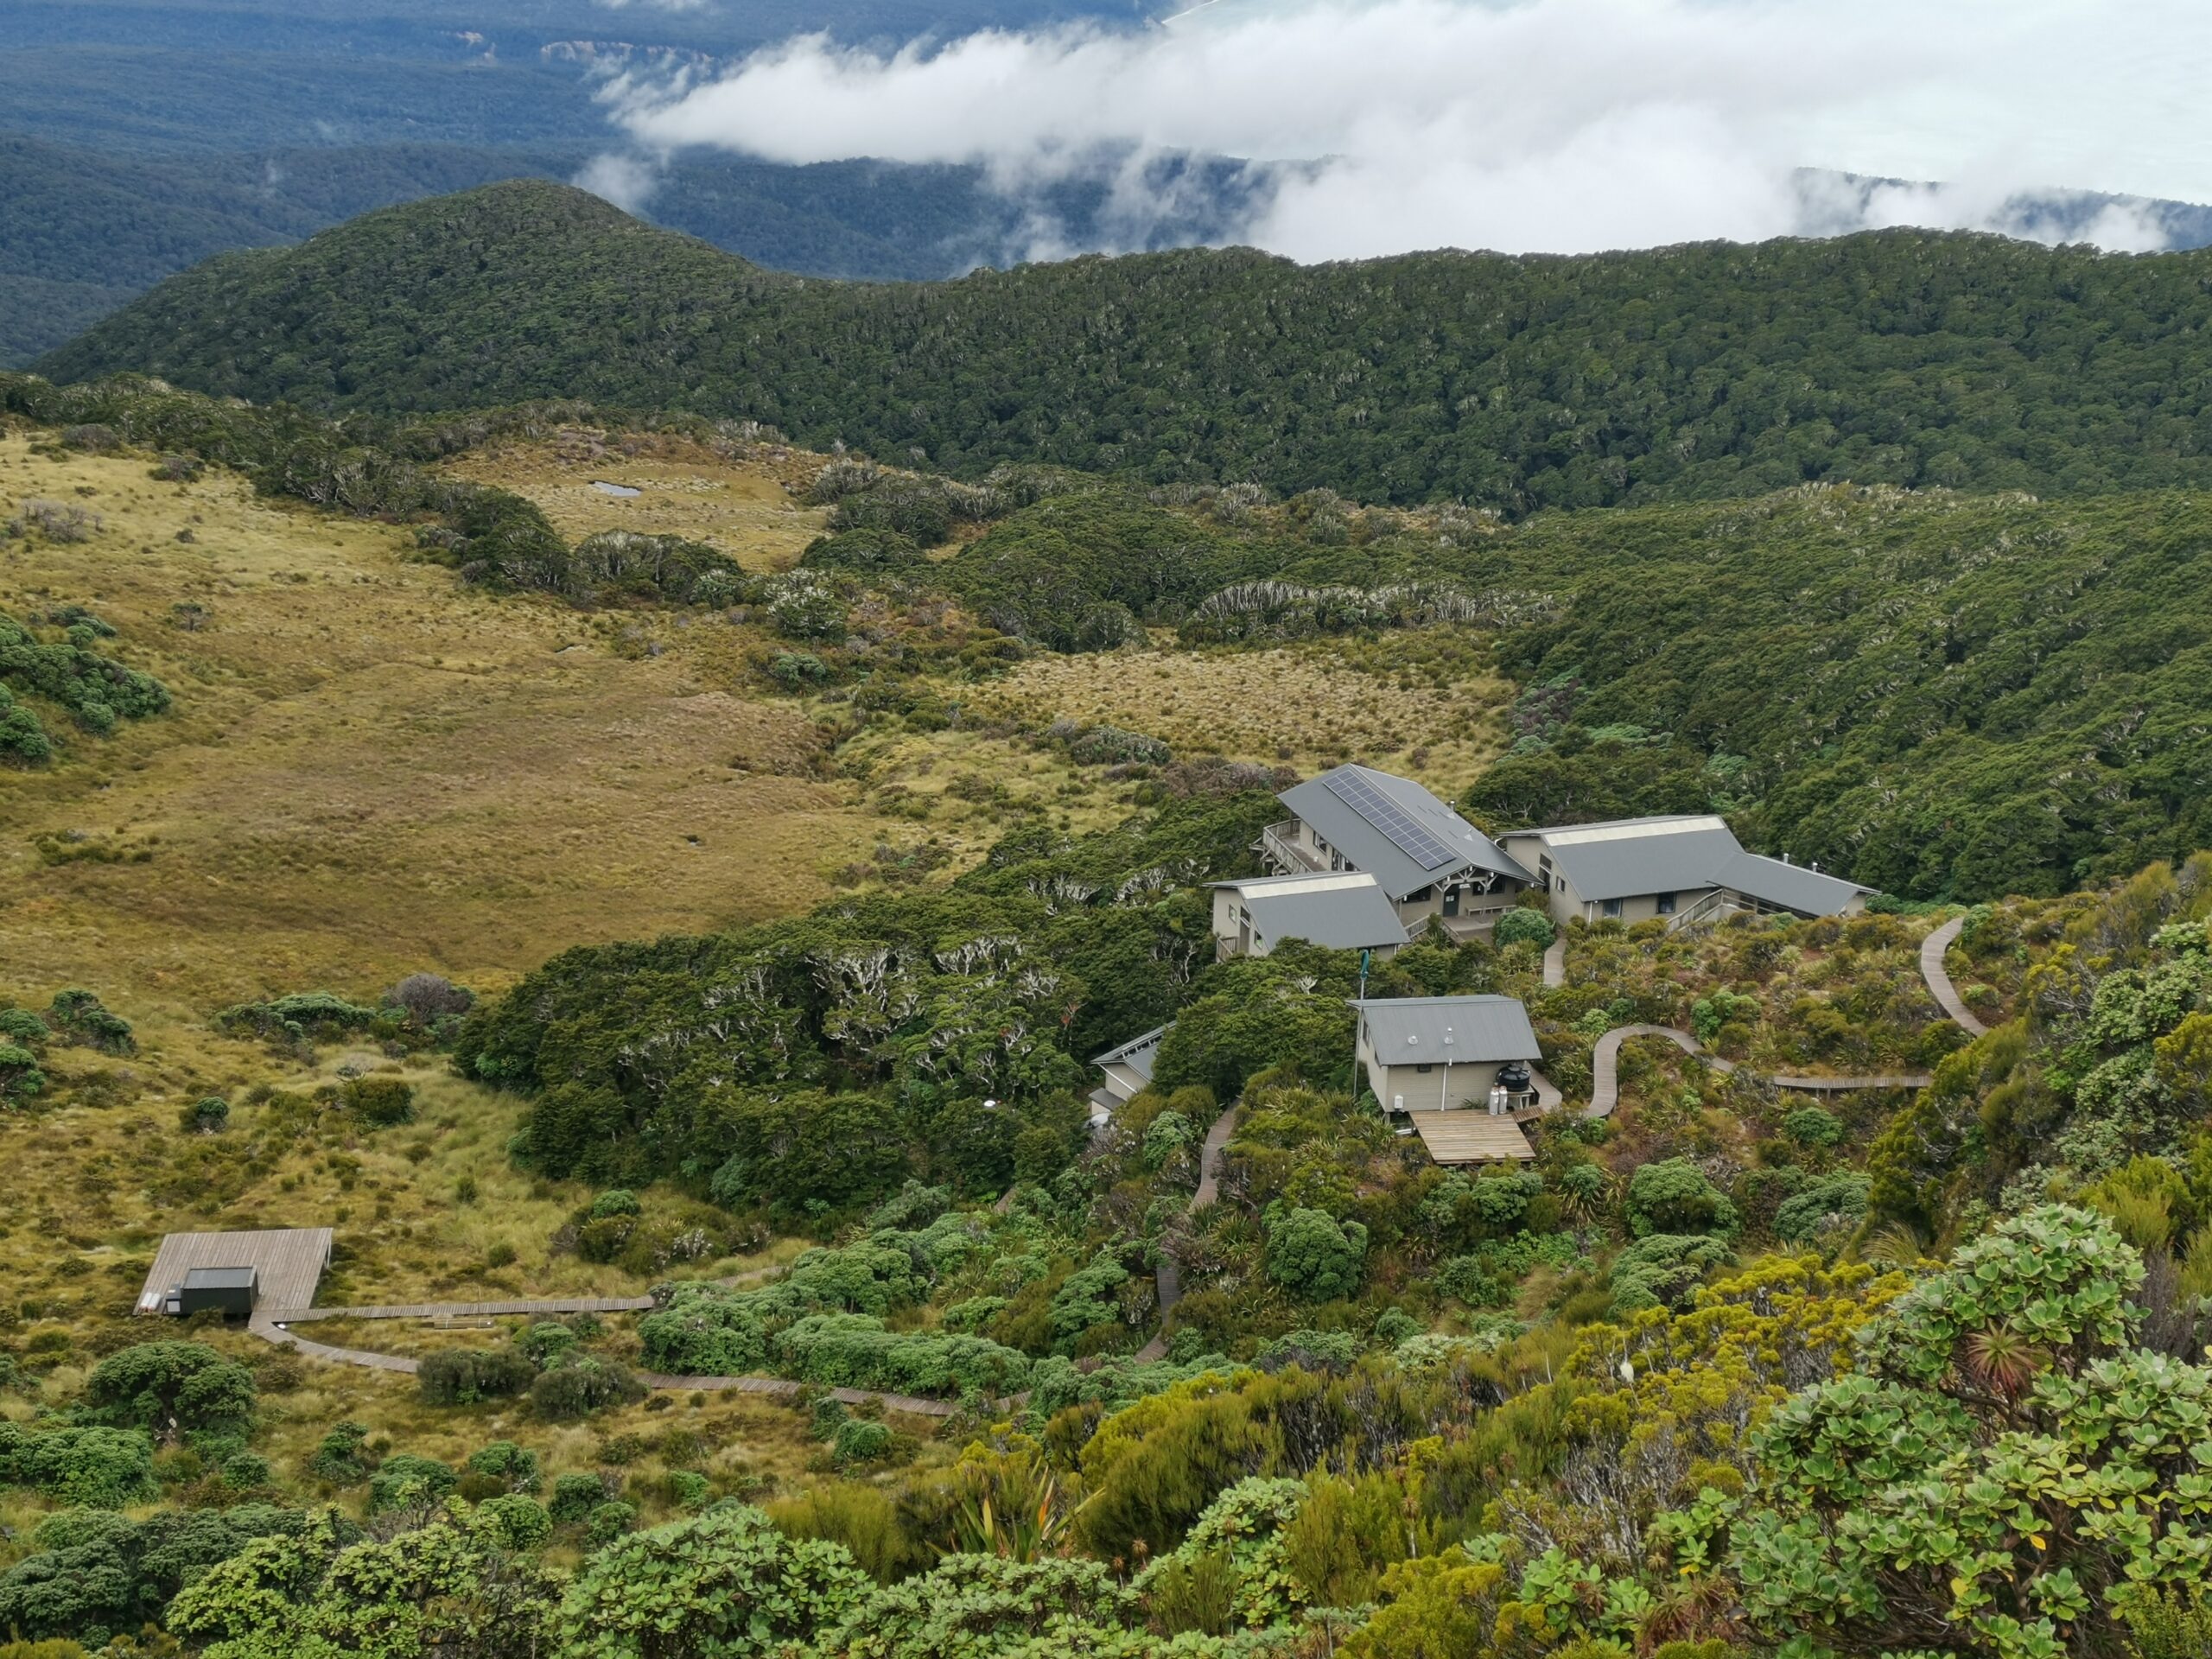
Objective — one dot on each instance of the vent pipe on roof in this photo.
(1785, 858)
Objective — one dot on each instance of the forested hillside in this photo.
(1523, 383)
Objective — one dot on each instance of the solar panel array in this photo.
(1416, 842)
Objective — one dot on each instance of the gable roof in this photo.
(1394, 828)
(1137, 1054)
(1640, 855)
(1346, 910)
(1428, 1030)
(1628, 857)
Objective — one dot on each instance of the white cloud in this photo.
(628, 181)
(1557, 125)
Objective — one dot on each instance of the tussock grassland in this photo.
(369, 769)
(1310, 705)
(746, 503)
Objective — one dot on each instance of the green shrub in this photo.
(380, 1100)
(581, 1385)
(522, 1523)
(1661, 1270)
(98, 1468)
(575, 1497)
(244, 1470)
(1812, 1125)
(1523, 925)
(858, 1440)
(1316, 1257)
(465, 1376)
(727, 1585)
(76, 1016)
(405, 1480)
(173, 1388)
(301, 1017)
(1803, 1214)
(610, 1521)
(1674, 1196)
(343, 1457)
(21, 1079)
(206, 1115)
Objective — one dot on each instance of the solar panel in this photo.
(1410, 838)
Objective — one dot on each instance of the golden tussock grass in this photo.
(1310, 705)
(371, 769)
(746, 503)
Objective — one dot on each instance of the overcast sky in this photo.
(1557, 125)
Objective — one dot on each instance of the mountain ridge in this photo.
(1517, 381)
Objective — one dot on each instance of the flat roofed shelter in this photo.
(1473, 1138)
(287, 1265)
(228, 1291)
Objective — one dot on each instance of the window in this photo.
(1610, 907)
(1423, 1069)
(1666, 904)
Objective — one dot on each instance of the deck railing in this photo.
(1279, 843)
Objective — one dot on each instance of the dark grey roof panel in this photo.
(1371, 818)
(1415, 1030)
(1347, 911)
(1788, 887)
(1620, 861)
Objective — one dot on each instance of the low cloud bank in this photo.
(1545, 125)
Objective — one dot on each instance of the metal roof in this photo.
(1344, 910)
(290, 1262)
(1394, 828)
(1430, 1030)
(1137, 1053)
(1620, 860)
(1788, 887)
(1628, 857)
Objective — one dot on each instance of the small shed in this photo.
(231, 1292)
(1440, 1053)
(286, 1265)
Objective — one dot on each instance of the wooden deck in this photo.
(287, 1263)
(1471, 1137)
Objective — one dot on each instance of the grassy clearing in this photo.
(1310, 705)
(371, 769)
(746, 502)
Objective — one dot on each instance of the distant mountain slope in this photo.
(1518, 383)
(83, 231)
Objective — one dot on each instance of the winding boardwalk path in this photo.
(1555, 961)
(1605, 1069)
(1932, 951)
(1168, 1278)
(270, 1325)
